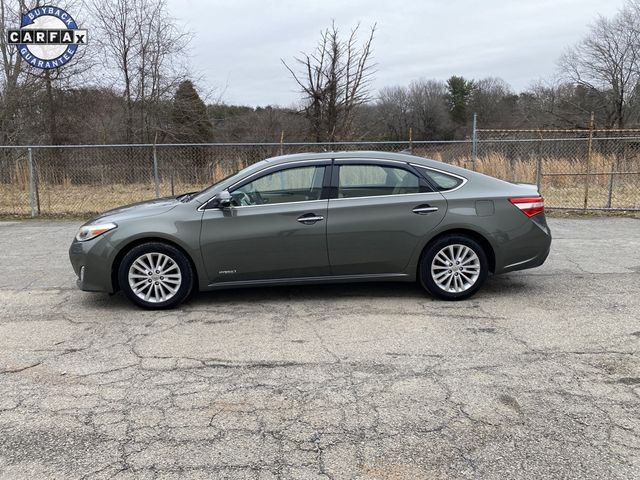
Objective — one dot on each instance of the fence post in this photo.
(410, 139)
(32, 183)
(588, 172)
(156, 176)
(539, 162)
(474, 142)
(281, 142)
(610, 184)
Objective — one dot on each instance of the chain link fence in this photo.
(575, 170)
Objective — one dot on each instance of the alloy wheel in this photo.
(154, 277)
(455, 268)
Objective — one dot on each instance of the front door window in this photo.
(284, 186)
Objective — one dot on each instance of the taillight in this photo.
(530, 206)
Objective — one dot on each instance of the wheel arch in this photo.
(115, 265)
(478, 237)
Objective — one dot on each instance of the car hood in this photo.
(137, 210)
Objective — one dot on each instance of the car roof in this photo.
(296, 157)
(365, 155)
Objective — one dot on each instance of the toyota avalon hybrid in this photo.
(318, 218)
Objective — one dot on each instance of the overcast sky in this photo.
(237, 44)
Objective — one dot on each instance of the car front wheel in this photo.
(156, 276)
(454, 267)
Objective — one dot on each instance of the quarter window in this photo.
(441, 180)
(375, 180)
(284, 186)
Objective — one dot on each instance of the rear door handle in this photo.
(310, 218)
(424, 209)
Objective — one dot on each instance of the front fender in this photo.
(182, 229)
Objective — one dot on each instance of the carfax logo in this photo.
(48, 37)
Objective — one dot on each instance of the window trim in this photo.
(335, 176)
(460, 177)
(279, 203)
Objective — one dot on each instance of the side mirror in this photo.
(222, 200)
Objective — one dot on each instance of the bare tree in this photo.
(429, 109)
(28, 95)
(15, 84)
(562, 104)
(116, 36)
(334, 81)
(70, 75)
(494, 101)
(422, 106)
(395, 112)
(607, 60)
(146, 46)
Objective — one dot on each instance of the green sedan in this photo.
(318, 218)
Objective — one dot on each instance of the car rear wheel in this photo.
(155, 276)
(454, 267)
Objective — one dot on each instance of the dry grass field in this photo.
(60, 196)
(81, 200)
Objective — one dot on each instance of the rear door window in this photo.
(375, 180)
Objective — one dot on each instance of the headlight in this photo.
(92, 231)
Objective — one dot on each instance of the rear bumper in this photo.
(533, 262)
(527, 247)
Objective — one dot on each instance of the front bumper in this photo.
(92, 266)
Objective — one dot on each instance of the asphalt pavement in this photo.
(537, 376)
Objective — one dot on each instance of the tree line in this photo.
(132, 85)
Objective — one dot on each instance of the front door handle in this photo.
(310, 218)
(424, 209)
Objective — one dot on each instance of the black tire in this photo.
(429, 282)
(156, 249)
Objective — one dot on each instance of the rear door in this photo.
(378, 214)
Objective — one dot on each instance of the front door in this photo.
(380, 214)
(275, 228)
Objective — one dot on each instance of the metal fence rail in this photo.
(591, 171)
